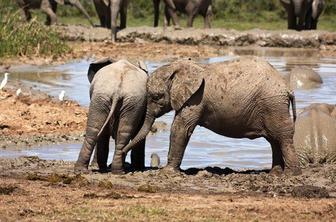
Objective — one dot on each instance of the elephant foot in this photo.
(117, 171)
(170, 170)
(177, 27)
(293, 171)
(276, 171)
(81, 169)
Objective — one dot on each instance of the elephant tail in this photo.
(113, 107)
(292, 100)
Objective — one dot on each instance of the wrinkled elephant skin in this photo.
(246, 98)
(117, 109)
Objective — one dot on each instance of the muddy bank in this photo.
(317, 181)
(34, 118)
(32, 188)
(217, 37)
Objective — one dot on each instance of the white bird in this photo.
(18, 92)
(61, 95)
(4, 81)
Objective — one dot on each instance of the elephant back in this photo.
(315, 135)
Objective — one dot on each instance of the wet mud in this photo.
(212, 188)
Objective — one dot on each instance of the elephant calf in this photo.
(117, 108)
(246, 98)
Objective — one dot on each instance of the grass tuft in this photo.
(20, 38)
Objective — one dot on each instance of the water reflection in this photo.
(205, 148)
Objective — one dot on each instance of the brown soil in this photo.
(36, 190)
(34, 118)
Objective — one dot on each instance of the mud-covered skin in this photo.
(315, 134)
(117, 107)
(244, 98)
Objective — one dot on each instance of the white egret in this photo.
(4, 81)
(61, 95)
(18, 92)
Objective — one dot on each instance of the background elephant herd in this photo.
(302, 14)
(243, 98)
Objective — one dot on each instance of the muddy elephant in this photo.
(108, 12)
(315, 10)
(190, 7)
(49, 7)
(117, 109)
(296, 13)
(246, 98)
(315, 134)
(304, 78)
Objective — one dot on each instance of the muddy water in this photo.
(205, 147)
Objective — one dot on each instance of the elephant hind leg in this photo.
(103, 149)
(279, 132)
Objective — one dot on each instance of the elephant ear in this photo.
(61, 2)
(96, 66)
(185, 83)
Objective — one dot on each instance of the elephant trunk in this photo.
(149, 121)
(80, 7)
(115, 7)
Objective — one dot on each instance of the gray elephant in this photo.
(304, 78)
(117, 109)
(296, 11)
(108, 12)
(315, 10)
(190, 7)
(246, 98)
(156, 4)
(49, 7)
(315, 134)
(104, 12)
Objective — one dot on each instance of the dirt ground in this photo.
(32, 189)
(34, 118)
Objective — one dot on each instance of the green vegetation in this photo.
(23, 38)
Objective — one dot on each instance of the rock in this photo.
(308, 191)
(155, 160)
(304, 78)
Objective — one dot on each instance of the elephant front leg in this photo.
(208, 18)
(138, 156)
(183, 126)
